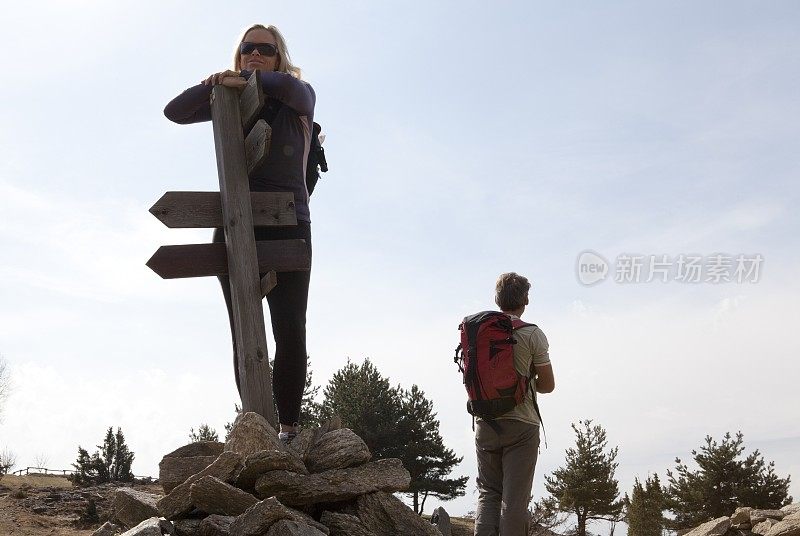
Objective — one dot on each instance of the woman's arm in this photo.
(191, 106)
(291, 91)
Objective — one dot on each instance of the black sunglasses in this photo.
(265, 49)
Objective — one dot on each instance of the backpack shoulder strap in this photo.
(516, 324)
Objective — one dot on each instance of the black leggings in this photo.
(287, 308)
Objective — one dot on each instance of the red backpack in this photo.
(485, 358)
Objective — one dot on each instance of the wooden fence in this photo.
(58, 472)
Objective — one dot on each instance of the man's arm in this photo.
(545, 382)
(542, 369)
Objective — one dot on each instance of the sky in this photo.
(465, 139)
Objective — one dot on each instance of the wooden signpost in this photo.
(237, 210)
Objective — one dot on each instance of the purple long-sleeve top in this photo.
(289, 110)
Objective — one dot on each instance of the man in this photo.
(507, 447)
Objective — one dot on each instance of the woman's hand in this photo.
(226, 78)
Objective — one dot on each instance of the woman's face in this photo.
(256, 60)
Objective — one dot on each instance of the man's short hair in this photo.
(511, 291)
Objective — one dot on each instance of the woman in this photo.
(289, 110)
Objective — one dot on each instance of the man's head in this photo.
(511, 292)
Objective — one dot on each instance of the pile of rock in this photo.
(747, 521)
(253, 485)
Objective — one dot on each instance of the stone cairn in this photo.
(748, 521)
(322, 483)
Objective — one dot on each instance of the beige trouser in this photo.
(507, 450)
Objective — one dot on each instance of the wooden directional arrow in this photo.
(204, 209)
(256, 145)
(251, 101)
(197, 260)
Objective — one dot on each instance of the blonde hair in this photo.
(511, 291)
(284, 62)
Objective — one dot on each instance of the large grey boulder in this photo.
(441, 519)
(334, 423)
(757, 516)
(198, 448)
(308, 437)
(715, 527)
(179, 501)
(131, 507)
(216, 525)
(251, 433)
(285, 527)
(185, 461)
(173, 472)
(265, 461)
(334, 485)
(791, 508)
(341, 524)
(150, 527)
(337, 449)
(301, 443)
(386, 515)
(214, 496)
(787, 527)
(258, 519)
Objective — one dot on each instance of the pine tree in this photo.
(545, 517)
(105, 460)
(586, 486)
(723, 482)
(645, 508)
(112, 462)
(85, 471)
(123, 459)
(204, 433)
(368, 405)
(425, 457)
(395, 423)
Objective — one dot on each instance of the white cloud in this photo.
(56, 408)
(90, 249)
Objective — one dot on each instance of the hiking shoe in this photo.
(286, 437)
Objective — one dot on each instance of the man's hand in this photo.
(226, 78)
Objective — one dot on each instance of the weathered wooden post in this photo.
(237, 210)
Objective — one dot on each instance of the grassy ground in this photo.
(36, 481)
(461, 526)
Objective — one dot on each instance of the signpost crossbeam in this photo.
(204, 209)
(202, 260)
